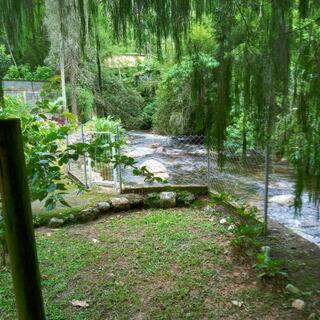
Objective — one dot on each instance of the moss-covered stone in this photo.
(120, 204)
(168, 199)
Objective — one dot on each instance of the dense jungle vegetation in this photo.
(245, 73)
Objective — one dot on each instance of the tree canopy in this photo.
(266, 54)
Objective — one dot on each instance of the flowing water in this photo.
(184, 161)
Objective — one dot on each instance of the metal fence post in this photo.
(84, 158)
(119, 165)
(208, 167)
(266, 185)
(18, 222)
(69, 164)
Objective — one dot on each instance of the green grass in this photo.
(160, 264)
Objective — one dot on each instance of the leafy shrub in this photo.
(107, 124)
(24, 72)
(119, 100)
(85, 101)
(46, 153)
(268, 266)
(43, 73)
(247, 231)
(246, 237)
(147, 115)
(5, 61)
(152, 200)
(218, 198)
(185, 198)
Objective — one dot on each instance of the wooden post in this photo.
(18, 222)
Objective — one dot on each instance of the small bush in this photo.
(24, 72)
(268, 266)
(152, 200)
(147, 116)
(185, 198)
(85, 101)
(247, 231)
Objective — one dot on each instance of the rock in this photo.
(140, 152)
(231, 227)
(168, 199)
(88, 214)
(160, 150)
(155, 145)
(55, 223)
(292, 289)
(79, 304)
(120, 204)
(103, 206)
(208, 210)
(136, 200)
(223, 221)
(284, 199)
(237, 303)
(156, 167)
(298, 304)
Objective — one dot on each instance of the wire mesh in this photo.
(181, 160)
(239, 174)
(78, 169)
(97, 169)
(100, 170)
(243, 176)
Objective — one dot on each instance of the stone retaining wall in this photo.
(167, 199)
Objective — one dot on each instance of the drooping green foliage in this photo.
(119, 100)
(265, 81)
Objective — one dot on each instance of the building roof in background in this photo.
(127, 60)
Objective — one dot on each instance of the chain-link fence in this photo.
(186, 160)
(96, 170)
(239, 174)
(181, 160)
(270, 187)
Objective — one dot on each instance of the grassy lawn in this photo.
(157, 264)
